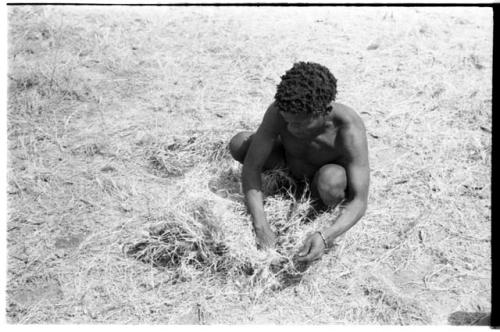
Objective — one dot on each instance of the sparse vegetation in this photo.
(124, 204)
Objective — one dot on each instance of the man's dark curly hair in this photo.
(307, 88)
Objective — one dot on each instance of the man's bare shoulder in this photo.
(347, 117)
(352, 133)
(272, 117)
(273, 109)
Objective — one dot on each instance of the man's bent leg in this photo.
(329, 185)
(239, 144)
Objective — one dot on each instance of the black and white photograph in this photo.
(248, 164)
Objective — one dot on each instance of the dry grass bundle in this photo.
(201, 231)
(177, 155)
(292, 218)
(171, 244)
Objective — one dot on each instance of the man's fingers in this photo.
(305, 249)
(261, 245)
(313, 255)
(304, 258)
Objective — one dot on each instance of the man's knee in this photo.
(331, 183)
(238, 145)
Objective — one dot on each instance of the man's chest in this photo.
(323, 149)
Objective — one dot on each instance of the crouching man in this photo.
(320, 142)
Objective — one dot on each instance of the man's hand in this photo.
(265, 237)
(312, 250)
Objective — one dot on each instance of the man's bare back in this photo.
(327, 148)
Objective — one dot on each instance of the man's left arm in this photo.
(358, 179)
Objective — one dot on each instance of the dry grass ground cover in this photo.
(125, 206)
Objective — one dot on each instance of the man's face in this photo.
(302, 125)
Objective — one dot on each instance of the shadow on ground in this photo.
(469, 318)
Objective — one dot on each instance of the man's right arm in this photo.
(257, 154)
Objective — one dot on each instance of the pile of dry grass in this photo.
(205, 225)
(173, 242)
